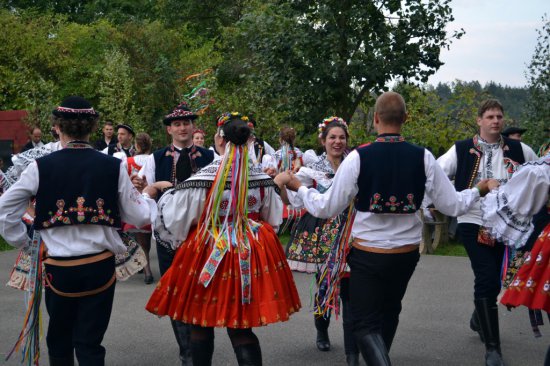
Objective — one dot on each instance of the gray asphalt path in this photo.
(433, 330)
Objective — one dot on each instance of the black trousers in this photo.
(377, 285)
(79, 323)
(486, 262)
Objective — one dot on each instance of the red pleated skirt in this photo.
(274, 297)
(531, 285)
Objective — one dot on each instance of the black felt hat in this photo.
(512, 130)
(181, 112)
(126, 127)
(75, 107)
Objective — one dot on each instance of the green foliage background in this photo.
(287, 62)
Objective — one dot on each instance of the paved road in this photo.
(433, 329)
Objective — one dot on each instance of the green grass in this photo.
(452, 248)
(4, 246)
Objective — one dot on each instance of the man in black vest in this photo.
(486, 155)
(168, 167)
(81, 197)
(387, 181)
(125, 137)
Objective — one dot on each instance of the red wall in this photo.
(13, 128)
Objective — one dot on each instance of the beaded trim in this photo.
(392, 138)
(74, 110)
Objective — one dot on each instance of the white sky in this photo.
(500, 39)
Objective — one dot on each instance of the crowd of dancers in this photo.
(85, 217)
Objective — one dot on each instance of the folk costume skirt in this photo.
(181, 296)
(531, 284)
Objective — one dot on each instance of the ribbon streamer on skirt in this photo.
(30, 334)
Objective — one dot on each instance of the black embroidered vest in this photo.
(164, 162)
(392, 177)
(77, 186)
(469, 158)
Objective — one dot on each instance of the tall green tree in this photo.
(305, 60)
(538, 76)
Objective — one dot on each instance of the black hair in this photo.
(236, 131)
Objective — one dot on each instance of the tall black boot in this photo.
(202, 351)
(374, 350)
(547, 358)
(474, 325)
(352, 359)
(487, 312)
(350, 346)
(61, 361)
(182, 332)
(321, 324)
(249, 354)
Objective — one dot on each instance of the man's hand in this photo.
(282, 179)
(294, 183)
(138, 182)
(493, 184)
(154, 189)
(483, 187)
(272, 172)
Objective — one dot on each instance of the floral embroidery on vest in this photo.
(377, 204)
(62, 215)
(393, 204)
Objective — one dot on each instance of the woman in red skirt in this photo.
(230, 271)
(508, 212)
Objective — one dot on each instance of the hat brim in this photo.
(167, 121)
(127, 128)
(73, 115)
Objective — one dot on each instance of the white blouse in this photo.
(507, 211)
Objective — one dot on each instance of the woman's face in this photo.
(336, 142)
(198, 139)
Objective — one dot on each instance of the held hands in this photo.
(139, 183)
(154, 189)
(486, 185)
(272, 172)
(287, 179)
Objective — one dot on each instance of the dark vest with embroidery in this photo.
(469, 158)
(164, 162)
(77, 186)
(391, 179)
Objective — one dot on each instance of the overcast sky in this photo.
(500, 39)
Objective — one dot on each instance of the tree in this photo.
(538, 76)
(306, 60)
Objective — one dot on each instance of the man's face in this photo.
(515, 136)
(490, 123)
(124, 137)
(181, 132)
(108, 131)
(36, 135)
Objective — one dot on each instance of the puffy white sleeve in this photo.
(134, 208)
(178, 211)
(304, 175)
(344, 187)
(13, 204)
(441, 191)
(507, 211)
(148, 170)
(272, 208)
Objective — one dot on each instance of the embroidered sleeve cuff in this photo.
(503, 223)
